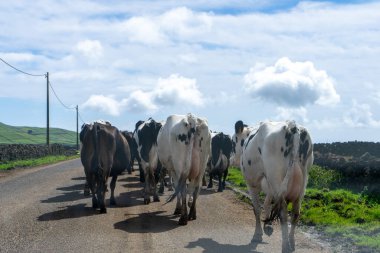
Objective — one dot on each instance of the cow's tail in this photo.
(97, 166)
(292, 162)
(179, 188)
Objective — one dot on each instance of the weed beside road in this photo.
(35, 162)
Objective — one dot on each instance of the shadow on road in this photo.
(211, 246)
(148, 223)
(71, 193)
(69, 212)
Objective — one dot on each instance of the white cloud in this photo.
(185, 23)
(297, 114)
(360, 115)
(171, 91)
(106, 104)
(90, 48)
(140, 101)
(143, 30)
(292, 84)
(177, 90)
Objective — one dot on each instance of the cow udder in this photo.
(195, 165)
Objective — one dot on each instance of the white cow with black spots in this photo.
(276, 159)
(184, 145)
(241, 133)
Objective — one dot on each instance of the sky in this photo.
(315, 62)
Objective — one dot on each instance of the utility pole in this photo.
(47, 111)
(77, 129)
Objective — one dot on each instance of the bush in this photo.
(320, 177)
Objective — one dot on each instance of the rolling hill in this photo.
(35, 135)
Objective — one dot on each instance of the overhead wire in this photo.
(19, 70)
(45, 75)
(67, 107)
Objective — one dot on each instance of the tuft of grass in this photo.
(35, 162)
(236, 178)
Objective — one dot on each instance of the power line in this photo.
(26, 73)
(67, 107)
(80, 117)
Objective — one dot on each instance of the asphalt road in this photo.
(43, 210)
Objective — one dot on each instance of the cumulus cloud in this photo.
(360, 115)
(293, 84)
(174, 90)
(177, 90)
(297, 114)
(106, 104)
(143, 30)
(90, 48)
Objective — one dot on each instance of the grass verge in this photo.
(35, 162)
(337, 213)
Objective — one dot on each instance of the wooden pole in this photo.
(47, 112)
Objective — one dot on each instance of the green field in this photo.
(336, 211)
(35, 135)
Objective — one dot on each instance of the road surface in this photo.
(43, 210)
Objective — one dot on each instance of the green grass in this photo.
(338, 212)
(35, 162)
(35, 135)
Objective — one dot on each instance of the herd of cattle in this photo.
(274, 157)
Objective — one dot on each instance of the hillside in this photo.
(35, 135)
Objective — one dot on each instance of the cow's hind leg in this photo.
(295, 216)
(284, 226)
(258, 235)
(113, 185)
(220, 185)
(224, 178)
(210, 182)
(193, 210)
(184, 218)
(101, 195)
(178, 208)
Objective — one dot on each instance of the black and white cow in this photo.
(276, 159)
(146, 139)
(105, 152)
(184, 145)
(133, 148)
(241, 133)
(221, 148)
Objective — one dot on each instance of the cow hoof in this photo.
(146, 201)
(182, 221)
(220, 189)
(161, 190)
(209, 186)
(103, 210)
(112, 202)
(268, 230)
(156, 199)
(177, 211)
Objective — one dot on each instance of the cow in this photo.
(221, 148)
(105, 152)
(276, 159)
(133, 149)
(146, 139)
(241, 133)
(184, 146)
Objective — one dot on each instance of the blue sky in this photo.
(312, 61)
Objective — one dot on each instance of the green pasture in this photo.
(35, 135)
